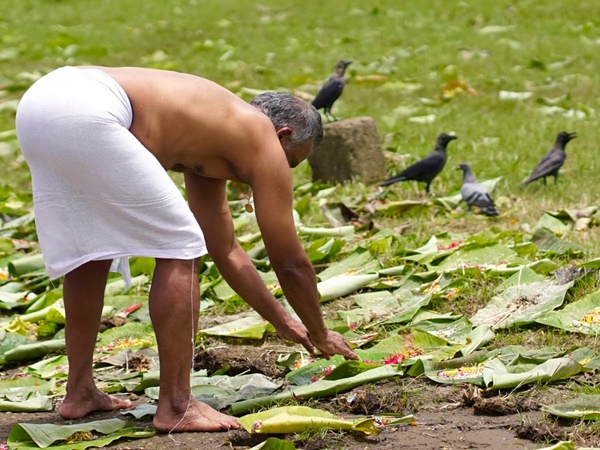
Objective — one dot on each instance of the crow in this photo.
(426, 169)
(474, 194)
(332, 89)
(552, 161)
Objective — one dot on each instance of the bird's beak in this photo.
(451, 137)
(572, 135)
(347, 63)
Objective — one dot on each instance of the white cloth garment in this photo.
(99, 194)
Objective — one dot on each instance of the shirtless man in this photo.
(98, 142)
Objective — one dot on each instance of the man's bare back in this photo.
(192, 124)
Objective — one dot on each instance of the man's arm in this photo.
(271, 181)
(208, 201)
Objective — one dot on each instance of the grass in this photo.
(546, 48)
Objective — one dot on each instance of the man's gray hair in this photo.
(287, 110)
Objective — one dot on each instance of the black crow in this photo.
(553, 161)
(474, 194)
(426, 169)
(332, 89)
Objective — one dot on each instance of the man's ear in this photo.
(284, 132)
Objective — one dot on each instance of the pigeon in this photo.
(426, 169)
(332, 89)
(552, 161)
(474, 194)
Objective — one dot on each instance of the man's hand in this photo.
(332, 343)
(296, 332)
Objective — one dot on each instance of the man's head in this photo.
(298, 124)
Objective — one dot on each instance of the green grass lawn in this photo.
(547, 49)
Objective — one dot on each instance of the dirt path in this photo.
(452, 430)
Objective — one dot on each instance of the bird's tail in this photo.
(524, 183)
(392, 180)
(490, 210)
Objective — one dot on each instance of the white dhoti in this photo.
(99, 194)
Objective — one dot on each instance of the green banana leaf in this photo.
(298, 419)
(321, 388)
(582, 316)
(13, 300)
(586, 407)
(523, 304)
(342, 285)
(496, 374)
(359, 261)
(27, 436)
(548, 243)
(57, 366)
(251, 327)
(36, 403)
(25, 265)
(35, 350)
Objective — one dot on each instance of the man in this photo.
(98, 142)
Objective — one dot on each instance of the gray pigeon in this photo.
(332, 89)
(552, 161)
(426, 169)
(474, 194)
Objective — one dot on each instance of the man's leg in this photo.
(83, 294)
(174, 308)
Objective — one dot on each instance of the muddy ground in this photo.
(447, 417)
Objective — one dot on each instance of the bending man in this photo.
(99, 142)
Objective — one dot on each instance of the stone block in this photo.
(351, 149)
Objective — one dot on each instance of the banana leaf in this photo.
(321, 388)
(33, 404)
(374, 307)
(519, 305)
(25, 265)
(496, 374)
(12, 300)
(34, 436)
(396, 208)
(342, 285)
(21, 388)
(34, 351)
(524, 275)
(409, 304)
(251, 327)
(346, 230)
(585, 407)
(548, 243)
(298, 419)
(10, 340)
(118, 285)
(551, 223)
(476, 256)
(57, 366)
(582, 316)
(359, 261)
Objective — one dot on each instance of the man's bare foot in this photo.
(75, 407)
(199, 417)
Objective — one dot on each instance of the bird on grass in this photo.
(426, 169)
(552, 161)
(474, 194)
(332, 89)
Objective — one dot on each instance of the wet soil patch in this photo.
(498, 406)
(239, 359)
